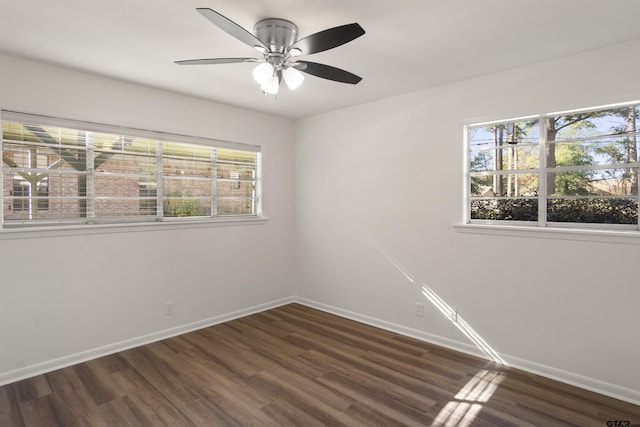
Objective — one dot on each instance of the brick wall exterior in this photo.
(127, 190)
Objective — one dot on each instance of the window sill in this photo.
(629, 237)
(74, 230)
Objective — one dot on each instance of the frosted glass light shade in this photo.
(271, 86)
(263, 73)
(293, 78)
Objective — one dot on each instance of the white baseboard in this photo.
(577, 380)
(601, 387)
(73, 359)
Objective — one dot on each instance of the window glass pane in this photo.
(235, 171)
(516, 209)
(600, 123)
(187, 180)
(594, 151)
(118, 196)
(483, 160)
(44, 172)
(124, 154)
(602, 182)
(187, 170)
(236, 206)
(26, 209)
(185, 205)
(125, 180)
(502, 134)
(483, 186)
(502, 147)
(593, 210)
(121, 208)
(180, 150)
(512, 157)
(172, 166)
(236, 156)
(187, 187)
(148, 196)
(506, 185)
(236, 183)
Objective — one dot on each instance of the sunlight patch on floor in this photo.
(468, 404)
(459, 414)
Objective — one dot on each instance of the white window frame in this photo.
(129, 223)
(542, 228)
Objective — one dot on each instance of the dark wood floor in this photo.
(294, 365)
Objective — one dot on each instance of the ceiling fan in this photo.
(277, 40)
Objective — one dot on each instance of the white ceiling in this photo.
(409, 44)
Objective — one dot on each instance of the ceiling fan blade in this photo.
(328, 39)
(327, 72)
(231, 27)
(215, 61)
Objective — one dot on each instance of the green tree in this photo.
(556, 124)
(623, 149)
(575, 183)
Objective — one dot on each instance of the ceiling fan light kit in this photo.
(277, 41)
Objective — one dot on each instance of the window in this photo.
(61, 172)
(22, 197)
(565, 169)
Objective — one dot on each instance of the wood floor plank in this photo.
(305, 384)
(371, 417)
(342, 361)
(385, 388)
(298, 366)
(237, 407)
(134, 412)
(32, 388)
(308, 404)
(288, 415)
(42, 411)
(376, 399)
(149, 401)
(207, 349)
(9, 408)
(363, 338)
(69, 393)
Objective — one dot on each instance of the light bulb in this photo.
(263, 73)
(293, 78)
(271, 86)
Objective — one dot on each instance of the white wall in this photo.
(63, 298)
(379, 189)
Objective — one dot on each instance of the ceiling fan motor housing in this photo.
(277, 34)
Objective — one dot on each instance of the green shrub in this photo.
(596, 211)
(581, 211)
(180, 204)
(505, 209)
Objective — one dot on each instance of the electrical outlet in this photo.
(419, 309)
(168, 307)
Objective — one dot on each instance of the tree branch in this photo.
(577, 119)
(105, 155)
(75, 162)
(13, 164)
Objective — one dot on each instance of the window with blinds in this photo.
(60, 172)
